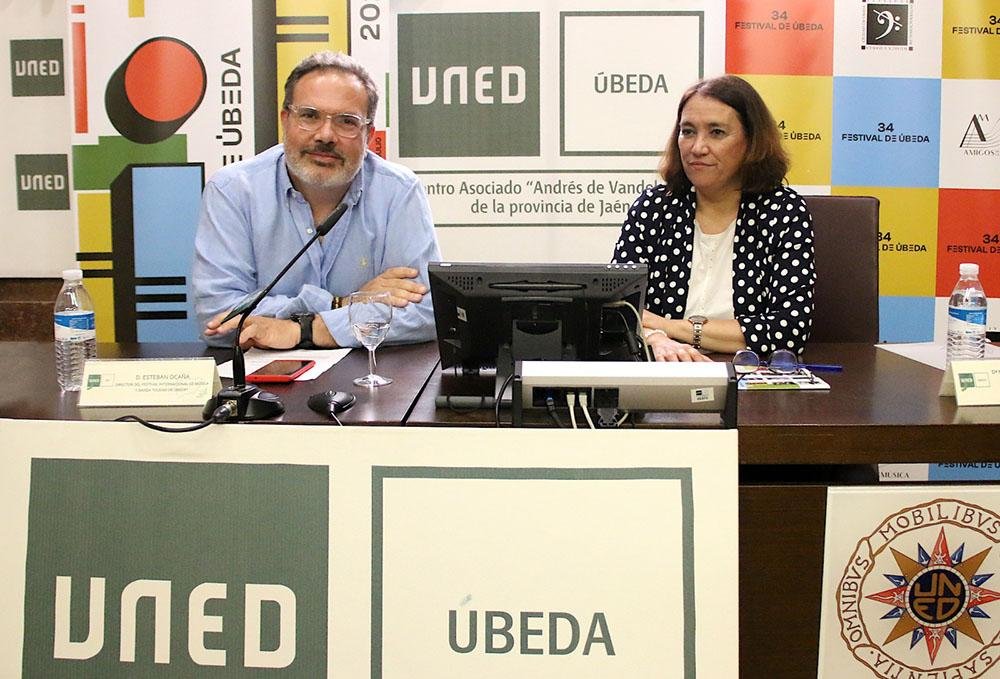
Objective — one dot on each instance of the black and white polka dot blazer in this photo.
(773, 269)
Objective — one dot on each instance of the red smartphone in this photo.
(284, 370)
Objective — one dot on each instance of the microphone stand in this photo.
(245, 402)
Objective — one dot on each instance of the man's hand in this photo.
(258, 331)
(397, 282)
(215, 326)
(269, 333)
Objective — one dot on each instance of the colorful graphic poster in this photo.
(159, 103)
(908, 586)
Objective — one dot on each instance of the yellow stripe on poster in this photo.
(93, 211)
(304, 27)
(102, 292)
(136, 9)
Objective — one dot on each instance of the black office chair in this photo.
(846, 243)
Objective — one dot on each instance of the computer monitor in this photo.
(492, 314)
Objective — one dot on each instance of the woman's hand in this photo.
(666, 349)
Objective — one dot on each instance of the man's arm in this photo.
(409, 244)
(225, 268)
(222, 272)
(275, 333)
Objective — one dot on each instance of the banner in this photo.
(381, 552)
(533, 123)
(516, 122)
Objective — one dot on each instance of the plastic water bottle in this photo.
(967, 316)
(76, 339)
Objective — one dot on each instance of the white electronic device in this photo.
(629, 385)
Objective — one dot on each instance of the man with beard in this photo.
(258, 213)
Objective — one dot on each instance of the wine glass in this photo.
(370, 314)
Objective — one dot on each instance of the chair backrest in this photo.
(845, 232)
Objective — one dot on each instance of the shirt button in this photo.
(309, 231)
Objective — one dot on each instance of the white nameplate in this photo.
(141, 382)
(976, 383)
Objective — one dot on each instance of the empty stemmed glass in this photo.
(370, 314)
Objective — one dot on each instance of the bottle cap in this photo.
(76, 274)
(968, 269)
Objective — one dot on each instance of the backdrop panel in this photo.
(382, 552)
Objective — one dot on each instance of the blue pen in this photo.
(822, 367)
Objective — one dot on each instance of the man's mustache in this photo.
(329, 149)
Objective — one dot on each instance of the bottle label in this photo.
(971, 316)
(75, 325)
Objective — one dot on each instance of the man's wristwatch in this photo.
(697, 322)
(305, 322)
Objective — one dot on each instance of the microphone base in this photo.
(251, 404)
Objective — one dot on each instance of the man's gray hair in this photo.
(336, 61)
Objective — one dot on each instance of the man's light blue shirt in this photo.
(253, 221)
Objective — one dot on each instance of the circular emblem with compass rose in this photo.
(918, 597)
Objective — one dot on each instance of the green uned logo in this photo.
(42, 181)
(966, 381)
(37, 68)
(160, 569)
(474, 94)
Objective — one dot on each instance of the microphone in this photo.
(250, 402)
(250, 302)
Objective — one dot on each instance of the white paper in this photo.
(930, 353)
(258, 358)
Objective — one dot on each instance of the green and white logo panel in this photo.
(544, 572)
(42, 181)
(621, 98)
(468, 84)
(37, 68)
(176, 570)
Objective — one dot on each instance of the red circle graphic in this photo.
(164, 80)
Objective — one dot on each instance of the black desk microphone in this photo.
(245, 401)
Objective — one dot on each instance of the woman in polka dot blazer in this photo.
(729, 247)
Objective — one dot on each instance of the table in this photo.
(793, 445)
(881, 408)
(31, 390)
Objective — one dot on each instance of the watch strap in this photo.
(305, 322)
(697, 323)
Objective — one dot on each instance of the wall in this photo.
(898, 99)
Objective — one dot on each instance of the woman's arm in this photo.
(719, 335)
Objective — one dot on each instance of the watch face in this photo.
(698, 320)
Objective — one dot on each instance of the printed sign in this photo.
(382, 552)
(138, 566)
(908, 589)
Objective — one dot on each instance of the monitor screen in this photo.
(492, 314)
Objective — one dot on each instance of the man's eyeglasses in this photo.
(346, 125)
